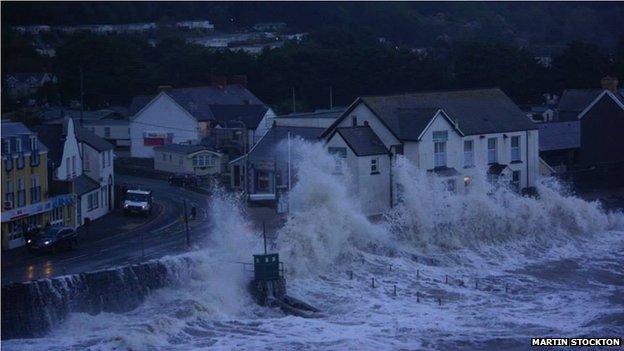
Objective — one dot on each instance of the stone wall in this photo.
(30, 309)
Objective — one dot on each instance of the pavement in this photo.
(115, 240)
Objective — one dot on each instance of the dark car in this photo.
(54, 239)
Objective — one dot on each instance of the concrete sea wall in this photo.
(30, 309)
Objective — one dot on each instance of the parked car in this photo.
(55, 238)
(138, 201)
(183, 180)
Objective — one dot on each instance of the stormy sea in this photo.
(482, 270)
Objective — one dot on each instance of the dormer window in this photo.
(33, 143)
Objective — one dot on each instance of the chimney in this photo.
(239, 79)
(164, 88)
(220, 81)
(609, 83)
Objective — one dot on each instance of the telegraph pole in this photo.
(188, 238)
(293, 100)
(331, 98)
(81, 95)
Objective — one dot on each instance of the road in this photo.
(116, 240)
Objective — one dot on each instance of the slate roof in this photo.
(362, 140)
(83, 184)
(559, 135)
(183, 149)
(251, 115)
(574, 101)
(14, 130)
(266, 147)
(88, 137)
(496, 168)
(479, 111)
(198, 101)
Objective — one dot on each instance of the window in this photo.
(439, 154)
(103, 193)
(468, 153)
(35, 189)
(515, 180)
(439, 148)
(107, 132)
(93, 201)
(180, 160)
(450, 185)
(237, 176)
(33, 143)
(339, 153)
(515, 148)
(56, 217)
(87, 162)
(262, 178)
(73, 166)
(21, 193)
(18, 145)
(164, 157)
(374, 165)
(6, 147)
(492, 150)
(103, 159)
(109, 156)
(8, 195)
(170, 157)
(354, 121)
(68, 167)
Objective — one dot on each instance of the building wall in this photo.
(372, 190)
(602, 128)
(119, 134)
(71, 156)
(29, 213)
(161, 115)
(180, 163)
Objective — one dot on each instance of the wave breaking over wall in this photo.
(31, 309)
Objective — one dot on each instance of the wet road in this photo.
(129, 239)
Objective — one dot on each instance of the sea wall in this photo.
(30, 309)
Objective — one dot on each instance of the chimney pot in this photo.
(609, 83)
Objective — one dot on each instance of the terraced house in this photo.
(25, 195)
(452, 134)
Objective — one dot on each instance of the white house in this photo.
(364, 159)
(186, 115)
(452, 134)
(82, 163)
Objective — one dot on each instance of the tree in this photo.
(580, 65)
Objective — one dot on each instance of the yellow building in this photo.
(25, 193)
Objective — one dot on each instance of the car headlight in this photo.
(29, 241)
(47, 242)
(144, 207)
(125, 205)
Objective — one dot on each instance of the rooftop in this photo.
(559, 135)
(362, 140)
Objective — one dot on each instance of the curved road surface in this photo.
(160, 234)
